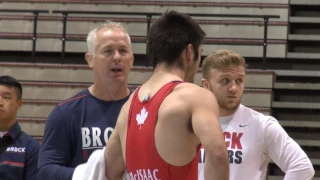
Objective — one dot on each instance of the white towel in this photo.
(94, 169)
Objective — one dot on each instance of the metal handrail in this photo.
(35, 23)
(149, 15)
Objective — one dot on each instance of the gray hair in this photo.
(92, 36)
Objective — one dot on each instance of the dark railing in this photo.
(145, 14)
(149, 16)
(35, 21)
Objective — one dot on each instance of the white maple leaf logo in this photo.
(142, 116)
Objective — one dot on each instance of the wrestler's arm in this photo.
(115, 164)
(206, 126)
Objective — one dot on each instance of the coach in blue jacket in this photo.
(83, 123)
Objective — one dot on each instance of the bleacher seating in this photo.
(45, 85)
(82, 73)
(287, 95)
(240, 34)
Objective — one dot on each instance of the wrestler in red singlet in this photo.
(142, 158)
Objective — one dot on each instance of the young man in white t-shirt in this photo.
(252, 138)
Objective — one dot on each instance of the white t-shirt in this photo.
(252, 140)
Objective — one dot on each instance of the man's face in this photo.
(227, 85)
(193, 66)
(9, 104)
(113, 56)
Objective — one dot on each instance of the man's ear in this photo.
(89, 59)
(205, 83)
(20, 102)
(190, 52)
(132, 59)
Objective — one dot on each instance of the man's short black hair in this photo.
(170, 34)
(12, 82)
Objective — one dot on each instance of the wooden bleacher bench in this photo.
(35, 125)
(260, 79)
(302, 86)
(300, 124)
(63, 90)
(306, 142)
(43, 107)
(138, 39)
(296, 105)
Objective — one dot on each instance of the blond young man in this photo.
(252, 139)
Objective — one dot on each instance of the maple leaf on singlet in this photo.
(142, 116)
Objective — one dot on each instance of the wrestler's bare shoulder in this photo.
(193, 92)
(123, 115)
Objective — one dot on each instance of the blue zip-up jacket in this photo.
(18, 155)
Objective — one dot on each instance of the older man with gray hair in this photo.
(83, 123)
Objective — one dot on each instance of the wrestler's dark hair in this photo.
(169, 35)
